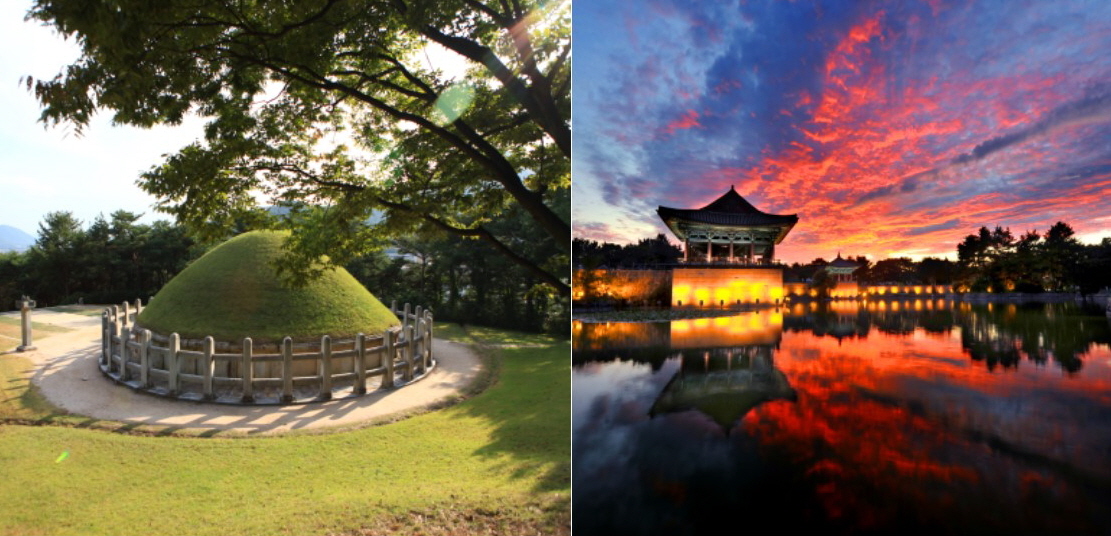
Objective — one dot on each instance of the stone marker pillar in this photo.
(25, 305)
(248, 371)
(287, 370)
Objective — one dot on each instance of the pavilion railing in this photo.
(239, 373)
(723, 262)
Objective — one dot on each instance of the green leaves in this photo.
(335, 104)
(454, 101)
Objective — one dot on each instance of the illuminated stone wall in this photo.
(637, 287)
(914, 290)
(718, 287)
(845, 289)
(796, 289)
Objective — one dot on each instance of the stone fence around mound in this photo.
(264, 373)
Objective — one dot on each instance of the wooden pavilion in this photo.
(727, 231)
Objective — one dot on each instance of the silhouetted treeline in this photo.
(112, 260)
(988, 261)
(591, 254)
(996, 261)
(900, 270)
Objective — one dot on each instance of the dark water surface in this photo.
(890, 417)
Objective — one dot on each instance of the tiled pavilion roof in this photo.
(729, 210)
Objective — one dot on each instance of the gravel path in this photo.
(67, 374)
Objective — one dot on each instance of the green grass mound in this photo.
(234, 291)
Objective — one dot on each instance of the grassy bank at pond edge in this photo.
(495, 463)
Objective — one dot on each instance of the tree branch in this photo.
(483, 234)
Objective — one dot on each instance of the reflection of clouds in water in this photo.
(606, 398)
(890, 429)
(595, 402)
(638, 475)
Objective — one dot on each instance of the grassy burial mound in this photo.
(234, 291)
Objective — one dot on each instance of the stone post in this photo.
(422, 330)
(387, 376)
(106, 338)
(209, 349)
(360, 364)
(326, 368)
(428, 353)
(25, 305)
(417, 347)
(125, 319)
(125, 348)
(144, 358)
(174, 363)
(138, 306)
(410, 345)
(247, 371)
(287, 370)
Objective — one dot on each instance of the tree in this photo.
(1094, 269)
(896, 270)
(53, 258)
(1061, 255)
(934, 271)
(823, 283)
(279, 82)
(987, 260)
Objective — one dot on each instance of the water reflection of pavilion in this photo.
(724, 383)
(993, 334)
(726, 367)
(654, 342)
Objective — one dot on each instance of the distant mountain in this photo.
(12, 239)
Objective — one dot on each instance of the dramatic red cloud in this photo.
(687, 120)
(891, 128)
(865, 143)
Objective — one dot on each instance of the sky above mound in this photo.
(891, 128)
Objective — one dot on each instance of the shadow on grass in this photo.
(526, 395)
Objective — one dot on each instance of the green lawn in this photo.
(496, 463)
(11, 334)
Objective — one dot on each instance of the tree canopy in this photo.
(111, 260)
(995, 260)
(334, 109)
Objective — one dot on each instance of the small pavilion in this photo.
(842, 269)
(727, 231)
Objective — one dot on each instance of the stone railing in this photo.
(274, 373)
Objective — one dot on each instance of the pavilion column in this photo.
(730, 248)
(752, 251)
(686, 249)
(709, 250)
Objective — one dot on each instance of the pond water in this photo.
(880, 417)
